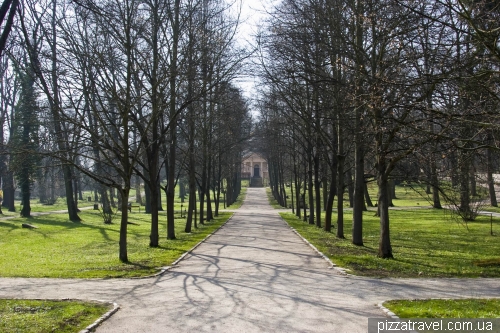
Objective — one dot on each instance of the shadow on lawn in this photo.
(48, 220)
(9, 225)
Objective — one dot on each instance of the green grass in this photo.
(89, 249)
(63, 249)
(491, 209)
(272, 200)
(440, 308)
(37, 207)
(37, 316)
(239, 200)
(407, 196)
(425, 242)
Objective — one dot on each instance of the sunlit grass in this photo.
(37, 316)
(89, 249)
(272, 201)
(492, 209)
(239, 201)
(440, 308)
(425, 242)
(38, 207)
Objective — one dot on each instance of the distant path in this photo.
(253, 275)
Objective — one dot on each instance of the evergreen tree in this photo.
(25, 140)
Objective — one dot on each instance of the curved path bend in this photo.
(253, 275)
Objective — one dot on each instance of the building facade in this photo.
(254, 168)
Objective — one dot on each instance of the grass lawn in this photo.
(406, 195)
(425, 242)
(272, 201)
(239, 201)
(492, 209)
(37, 316)
(37, 207)
(441, 308)
(89, 249)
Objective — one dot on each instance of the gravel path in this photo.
(253, 275)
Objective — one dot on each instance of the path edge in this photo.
(165, 269)
(101, 319)
(386, 311)
(340, 270)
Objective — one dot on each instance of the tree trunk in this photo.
(158, 190)
(359, 186)
(303, 197)
(340, 196)
(123, 255)
(154, 234)
(350, 187)
(173, 122)
(210, 215)
(428, 176)
(170, 193)
(106, 204)
(297, 192)
(79, 184)
(182, 190)
(138, 194)
(192, 179)
(464, 175)
(72, 209)
(191, 207)
(391, 194)
(317, 190)
(75, 189)
(367, 196)
(219, 180)
(25, 198)
(330, 201)
(202, 192)
(491, 181)
(310, 188)
(282, 186)
(324, 182)
(359, 165)
(112, 197)
(9, 191)
(385, 248)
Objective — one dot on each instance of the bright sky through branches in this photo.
(252, 14)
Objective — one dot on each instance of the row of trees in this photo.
(121, 92)
(361, 90)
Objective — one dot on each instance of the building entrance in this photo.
(256, 171)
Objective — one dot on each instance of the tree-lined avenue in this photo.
(253, 275)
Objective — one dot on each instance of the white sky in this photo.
(252, 14)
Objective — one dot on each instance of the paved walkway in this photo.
(253, 275)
